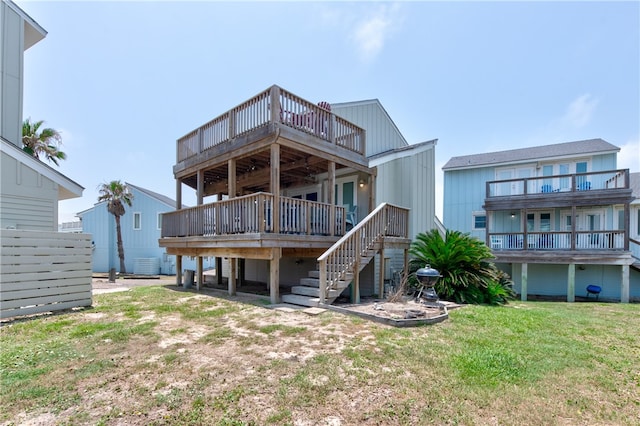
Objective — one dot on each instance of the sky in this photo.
(122, 81)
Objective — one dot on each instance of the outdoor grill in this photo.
(427, 278)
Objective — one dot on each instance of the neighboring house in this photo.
(558, 217)
(634, 230)
(42, 270)
(140, 227)
(294, 184)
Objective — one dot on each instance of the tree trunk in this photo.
(123, 269)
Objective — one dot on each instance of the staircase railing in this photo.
(343, 257)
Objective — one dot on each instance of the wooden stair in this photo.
(308, 292)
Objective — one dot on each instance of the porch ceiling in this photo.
(253, 172)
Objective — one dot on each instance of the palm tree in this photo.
(45, 141)
(116, 194)
(464, 263)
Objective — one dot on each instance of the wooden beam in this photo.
(263, 253)
(232, 276)
(274, 276)
(231, 177)
(274, 182)
(381, 273)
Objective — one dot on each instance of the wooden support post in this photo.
(241, 272)
(199, 273)
(274, 275)
(381, 272)
(232, 276)
(523, 282)
(275, 186)
(231, 177)
(332, 197)
(219, 270)
(571, 283)
(178, 270)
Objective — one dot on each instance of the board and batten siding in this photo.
(29, 199)
(382, 134)
(43, 271)
(410, 182)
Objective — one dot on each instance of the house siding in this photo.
(382, 135)
(138, 243)
(11, 71)
(29, 199)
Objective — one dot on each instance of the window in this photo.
(479, 221)
(159, 221)
(137, 220)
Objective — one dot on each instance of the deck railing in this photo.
(253, 214)
(274, 105)
(560, 184)
(559, 240)
(342, 258)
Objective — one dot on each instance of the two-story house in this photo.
(140, 227)
(42, 269)
(292, 183)
(556, 217)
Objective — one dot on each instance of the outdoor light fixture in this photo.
(513, 215)
(361, 183)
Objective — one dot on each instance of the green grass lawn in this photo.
(157, 356)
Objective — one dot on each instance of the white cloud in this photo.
(580, 111)
(373, 31)
(629, 156)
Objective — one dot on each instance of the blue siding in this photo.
(138, 243)
(464, 194)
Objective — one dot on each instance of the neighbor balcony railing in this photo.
(560, 184)
(558, 240)
(254, 214)
(274, 105)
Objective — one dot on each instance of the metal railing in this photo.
(254, 214)
(274, 105)
(559, 184)
(342, 258)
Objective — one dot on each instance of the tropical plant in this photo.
(46, 141)
(464, 265)
(116, 194)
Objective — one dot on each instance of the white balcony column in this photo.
(178, 257)
(523, 282)
(571, 282)
(624, 286)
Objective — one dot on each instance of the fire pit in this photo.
(427, 277)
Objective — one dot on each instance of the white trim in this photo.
(70, 189)
(139, 214)
(403, 152)
(473, 220)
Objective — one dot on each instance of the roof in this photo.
(67, 188)
(591, 146)
(33, 32)
(400, 152)
(162, 198)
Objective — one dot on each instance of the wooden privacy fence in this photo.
(43, 271)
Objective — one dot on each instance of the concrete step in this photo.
(313, 291)
(310, 282)
(296, 299)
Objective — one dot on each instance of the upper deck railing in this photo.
(254, 214)
(605, 180)
(274, 105)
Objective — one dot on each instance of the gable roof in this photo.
(67, 188)
(590, 146)
(162, 198)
